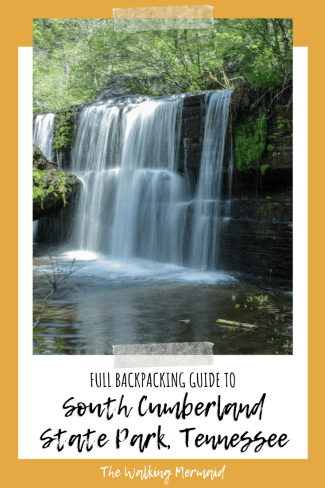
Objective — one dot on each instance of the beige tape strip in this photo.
(140, 19)
(147, 19)
(190, 12)
(160, 355)
(162, 361)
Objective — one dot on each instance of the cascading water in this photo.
(127, 159)
(208, 219)
(94, 161)
(147, 221)
(43, 136)
(134, 202)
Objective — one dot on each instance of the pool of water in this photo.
(106, 301)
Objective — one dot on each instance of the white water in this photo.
(43, 134)
(207, 221)
(94, 161)
(117, 272)
(127, 160)
(137, 215)
(147, 221)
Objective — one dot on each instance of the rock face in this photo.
(277, 152)
(53, 188)
(257, 237)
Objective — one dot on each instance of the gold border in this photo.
(17, 31)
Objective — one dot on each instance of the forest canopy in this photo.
(75, 58)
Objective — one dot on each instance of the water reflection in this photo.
(139, 302)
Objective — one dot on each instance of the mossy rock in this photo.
(250, 141)
(52, 186)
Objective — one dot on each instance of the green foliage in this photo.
(283, 128)
(63, 130)
(264, 78)
(263, 168)
(250, 141)
(281, 123)
(262, 298)
(37, 175)
(39, 192)
(73, 58)
(42, 186)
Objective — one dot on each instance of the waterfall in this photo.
(147, 221)
(135, 203)
(43, 134)
(95, 162)
(208, 205)
(127, 160)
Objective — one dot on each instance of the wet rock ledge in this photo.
(52, 186)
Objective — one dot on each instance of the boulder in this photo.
(52, 186)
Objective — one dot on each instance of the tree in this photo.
(73, 58)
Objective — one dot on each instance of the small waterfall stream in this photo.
(94, 161)
(208, 204)
(43, 136)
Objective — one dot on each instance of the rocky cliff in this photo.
(257, 238)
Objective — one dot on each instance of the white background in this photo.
(46, 382)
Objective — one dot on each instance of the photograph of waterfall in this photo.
(162, 186)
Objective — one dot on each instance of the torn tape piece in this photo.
(185, 12)
(135, 361)
(141, 25)
(162, 18)
(158, 355)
